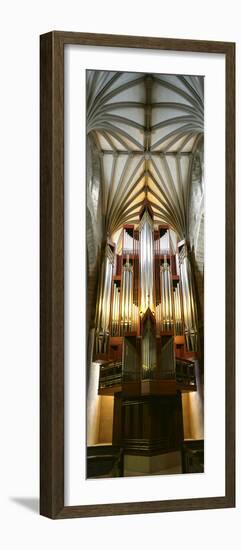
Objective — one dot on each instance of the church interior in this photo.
(145, 274)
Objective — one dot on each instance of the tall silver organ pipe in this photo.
(146, 262)
(189, 303)
(103, 312)
(166, 296)
(127, 297)
(177, 310)
(115, 310)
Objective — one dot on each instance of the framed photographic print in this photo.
(137, 186)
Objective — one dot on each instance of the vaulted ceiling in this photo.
(147, 129)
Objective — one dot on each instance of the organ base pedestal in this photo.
(149, 426)
(165, 463)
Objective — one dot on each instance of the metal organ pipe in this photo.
(135, 316)
(168, 358)
(177, 264)
(165, 243)
(148, 351)
(166, 296)
(169, 282)
(177, 310)
(158, 316)
(189, 304)
(123, 297)
(146, 262)
(127, 297)
(103, 315)
(128, 242)
(106, 297)
(115, 310)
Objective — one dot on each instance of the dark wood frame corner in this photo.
(52, 274)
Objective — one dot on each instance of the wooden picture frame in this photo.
(52, 274)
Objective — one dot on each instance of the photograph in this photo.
(137, 157)
(145, 264)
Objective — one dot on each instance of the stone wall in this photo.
(94, 230)
(196, 230)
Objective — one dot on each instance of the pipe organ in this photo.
(146, 337)
(149, 273)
